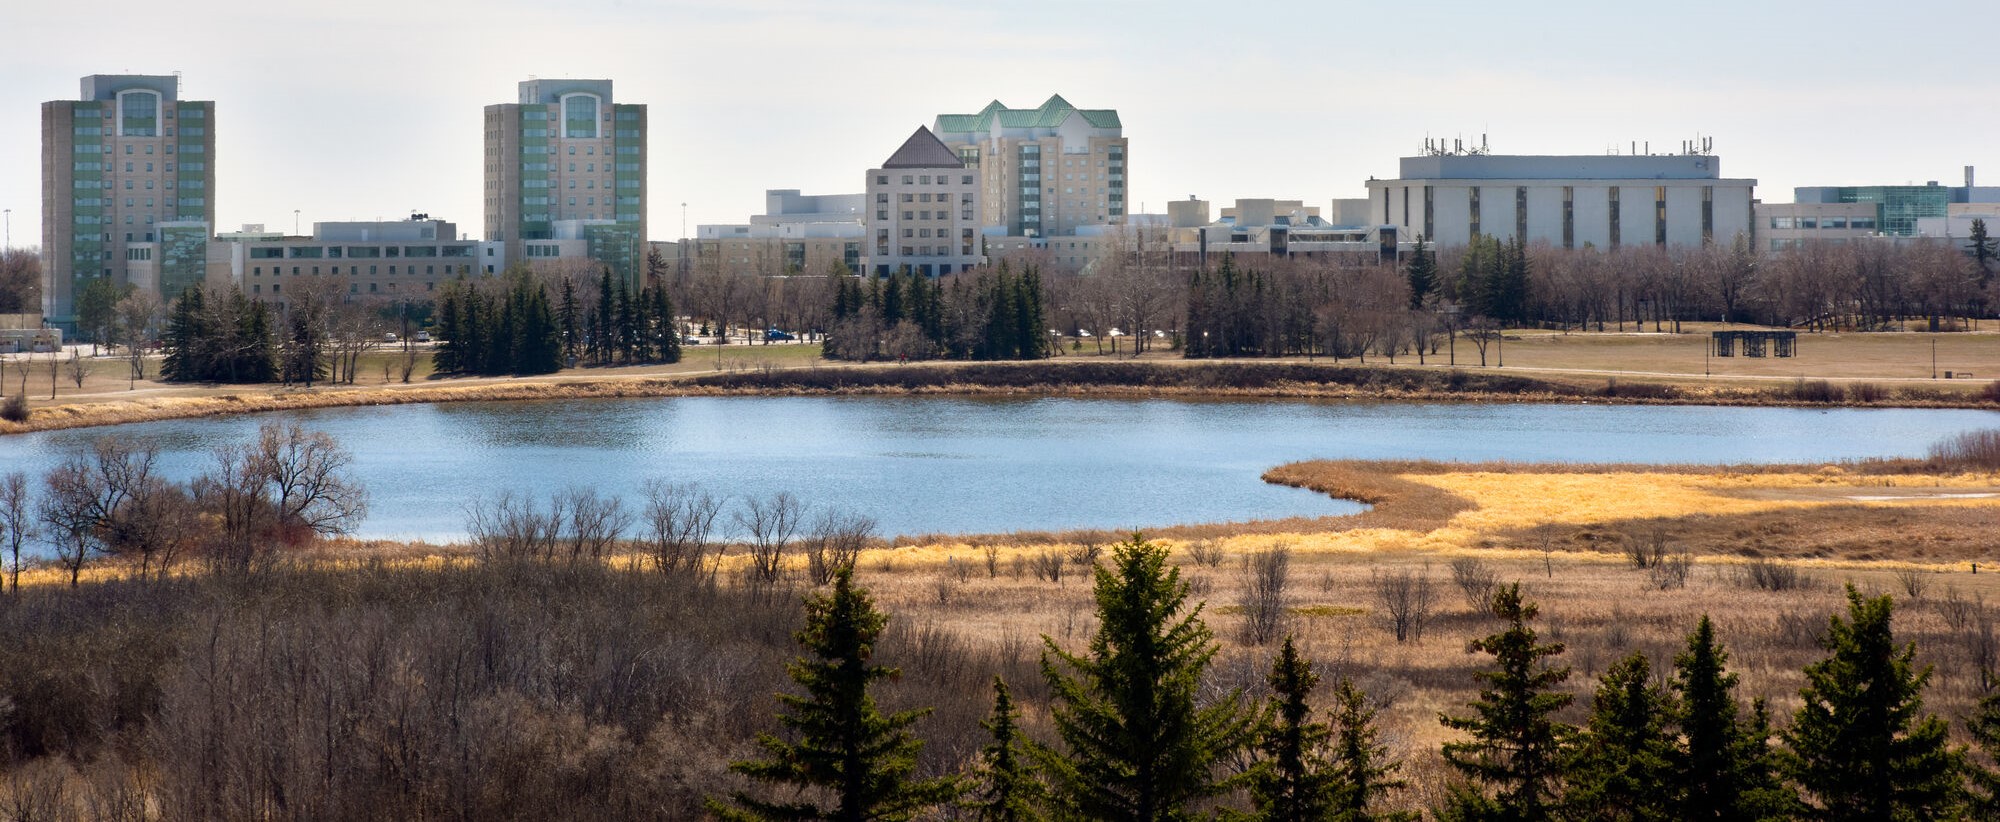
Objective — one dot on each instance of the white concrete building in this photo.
(922, 211)
(1566, 201)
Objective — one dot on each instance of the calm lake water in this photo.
(927, 465)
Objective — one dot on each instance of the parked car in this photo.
(775, 334)
(389, 337)
(423, 336)
(690, 341)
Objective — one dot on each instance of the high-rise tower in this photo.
(568, 153)
(128, 189)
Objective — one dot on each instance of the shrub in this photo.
(1477, 581)
(1772, 575)
(1969, 450)
(1867, 392)
(1817, 391)
(14, 408)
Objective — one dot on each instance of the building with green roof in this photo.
(1042, 171)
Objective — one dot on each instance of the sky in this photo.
(367, 109)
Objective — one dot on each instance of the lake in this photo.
(984, 465)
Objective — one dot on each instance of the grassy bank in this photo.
(787, 370)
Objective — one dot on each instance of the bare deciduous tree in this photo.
(594, 523)
(87, 494)
(834, 542)
(17, 522)
(679, 521)
(1266, 575)
(771, 523)
(1406, 600)
(1477, 581)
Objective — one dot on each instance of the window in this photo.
(882, 180)
(909, 198)
(966, 180)
(906, 179)
(882, 214)
(909, 215)
(923, 180)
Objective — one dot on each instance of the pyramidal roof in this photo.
(923, 150)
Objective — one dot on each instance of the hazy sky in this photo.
(362, 109)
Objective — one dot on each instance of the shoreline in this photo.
(1221, 379)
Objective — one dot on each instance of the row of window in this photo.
(354, 270)
(924, 179)
(359, 252)
(925, 233)
(1847, 223)
(352, 288)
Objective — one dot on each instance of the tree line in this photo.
(1135, 739)
(993, 314)
(224, 335)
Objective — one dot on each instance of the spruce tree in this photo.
(847, 751)
(1621, 764)
(185, 339)
(607, 306)
(566, 317)
(1982, 248)
(1422, 273)
(669, 325)
(1517, 749)
(1861, 746)
(1137, 745)
(446, 358)
(1984, 728)
(1362, 770)
(1010, 792)
(1294, 781)
(1724, 766)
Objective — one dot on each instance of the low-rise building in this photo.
(798, 233)
(1783, 226)
(393, 260)
(1567, 201)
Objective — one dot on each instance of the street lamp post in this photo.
(10, 229)
(295, 222)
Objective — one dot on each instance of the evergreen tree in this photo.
(668, 325)
(1861, 746)
(1138, 745)
(566, 316)
(1517, 747)
(1984, 728)
(1621, 764)
(1422, 273)
(447, 356)
(255, 347)
(1362, 770)
(1724, 766)
(607, 306)
(540, 347)
(846, 747)
(1010, 792)
(627, 335)
(1294, 781)
(1983, 250)
(185, 339)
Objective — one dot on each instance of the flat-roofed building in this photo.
(388, 260)
(797, 234)
(1567, 201)
(1783, 226)
(128, 189)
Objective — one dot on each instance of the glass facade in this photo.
(1898, 208)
